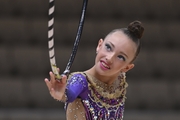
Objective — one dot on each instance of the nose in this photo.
(109, 58)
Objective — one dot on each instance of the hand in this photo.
(56, 87)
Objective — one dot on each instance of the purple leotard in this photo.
(97, 106)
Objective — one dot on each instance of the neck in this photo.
(103, 78)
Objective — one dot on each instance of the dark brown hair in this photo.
(134, 31)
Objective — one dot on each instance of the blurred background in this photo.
(154, 86)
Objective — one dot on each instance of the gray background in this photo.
(154, 86)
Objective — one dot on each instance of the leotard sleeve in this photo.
(76, 85)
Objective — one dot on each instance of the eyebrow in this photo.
(111, 44)
(114, 47)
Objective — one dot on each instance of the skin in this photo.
(114, 55)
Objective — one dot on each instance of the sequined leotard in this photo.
(90, 99)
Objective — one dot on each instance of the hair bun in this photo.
(136, 29)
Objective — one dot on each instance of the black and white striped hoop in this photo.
(51, 39)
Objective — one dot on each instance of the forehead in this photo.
(117, 34)
(119, 37)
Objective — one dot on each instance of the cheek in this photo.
(98, 56)
(118, 65)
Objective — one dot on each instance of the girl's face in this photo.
(114, 54)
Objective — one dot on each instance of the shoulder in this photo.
(77, 77)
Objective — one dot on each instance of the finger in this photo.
(58, 69)
(64, 79)
(53, 93)
(47, 83)
(52, 77)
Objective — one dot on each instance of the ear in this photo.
(99, 45)
(128, 67)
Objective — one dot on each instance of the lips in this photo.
(104, 65)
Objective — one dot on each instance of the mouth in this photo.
(104, 65)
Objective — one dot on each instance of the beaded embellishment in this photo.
(106, 102)
(99, 100)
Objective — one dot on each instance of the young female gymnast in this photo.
(99, 92)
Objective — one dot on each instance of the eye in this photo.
(108, 47)
(122, 57)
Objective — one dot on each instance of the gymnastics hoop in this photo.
(51, 39)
